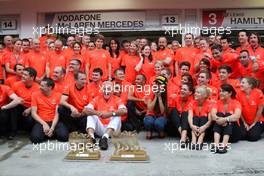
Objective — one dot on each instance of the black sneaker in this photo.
(213, 148)
(199, 147)
(11, 137)
(103, 143)
(193, 146)
(222, 150)
(91, 142)
(183, 144)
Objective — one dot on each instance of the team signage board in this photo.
(102, 21)
(234, 18)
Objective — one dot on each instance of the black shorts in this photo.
(224, 130)
(200, 121)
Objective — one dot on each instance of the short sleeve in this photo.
(123, 63)
(8, 90)
(237, 105)
(66, 90)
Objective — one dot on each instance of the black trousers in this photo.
(232, 129)
(18, 121)
(179, 119)
(133, 121)
(72, 124)
(253, 134)
(176, 120)
(4, 116)
(60, 133)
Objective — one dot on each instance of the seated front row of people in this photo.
(190, 111)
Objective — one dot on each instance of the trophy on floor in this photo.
(127, 148)
(82, 148)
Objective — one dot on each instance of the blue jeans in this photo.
(153, 123)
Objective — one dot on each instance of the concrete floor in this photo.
(19, 157)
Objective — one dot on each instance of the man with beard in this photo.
(164, 54)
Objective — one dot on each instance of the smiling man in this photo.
(104, 113)
(44, 109)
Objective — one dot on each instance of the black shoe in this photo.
(222, 150)
(199, 147)
(213, 148)
(11, 137)
(91, 142)
(183, 144)
(192, 146)
(103, 143)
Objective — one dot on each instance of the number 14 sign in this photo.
(8, 24)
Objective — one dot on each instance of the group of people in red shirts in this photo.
(203, 89)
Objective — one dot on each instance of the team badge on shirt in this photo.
(53, 101)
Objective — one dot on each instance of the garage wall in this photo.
(28, 10)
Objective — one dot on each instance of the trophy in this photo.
(127, 148)
(82, 148)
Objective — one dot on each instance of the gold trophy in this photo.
(82, 148)
(127, 148)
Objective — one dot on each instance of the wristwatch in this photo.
(113, 113)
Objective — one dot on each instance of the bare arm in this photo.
(36, 116)
(64, 102)
(190, 117)
(15, 101)
(139, 65)
(109, 71)
(258, 115)
(151, 103)
(161, 104)
(234, 117)
(55, 120)
(176, 68)
(167, 61)
(8, 69)
(48, 69)
(213, 114)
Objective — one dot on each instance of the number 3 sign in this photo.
(213, 18)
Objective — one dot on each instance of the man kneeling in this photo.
(104, 113)
(44, 109)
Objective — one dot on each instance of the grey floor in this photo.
(20, 157)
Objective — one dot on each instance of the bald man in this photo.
(37, 60)
(55, 58)
(104, 115)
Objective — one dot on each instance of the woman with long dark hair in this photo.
(157, 109)
(226, 113)
(146, 63)
(115, 59)
(182, 111)
(77, 48)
